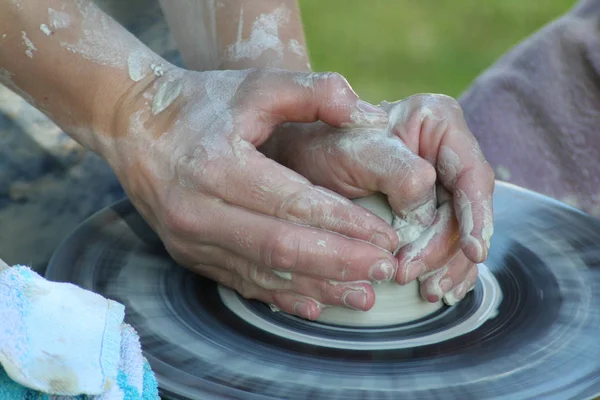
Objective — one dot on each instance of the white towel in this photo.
(57, 338)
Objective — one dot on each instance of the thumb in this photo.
(287, 96)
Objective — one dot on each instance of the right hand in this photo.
(226, 211)
(427, 140)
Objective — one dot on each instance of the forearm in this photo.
(70, 60)
(238, 34)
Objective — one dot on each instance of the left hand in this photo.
(427, 140)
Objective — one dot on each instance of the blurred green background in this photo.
(390, 49)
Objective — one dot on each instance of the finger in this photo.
(460, 291)
(433, 249)
(266, 187)
(474, 210)
(280, 96)
(290, 303)
(437, 130)
(382, 163)
(436, 284)
(275, 244)
(355, 295)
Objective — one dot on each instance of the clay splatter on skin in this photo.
(157, 70)
(283, 275)
(308, 80)
(408, 231)
(30, 46)
(455, 295)
(432, 281)
(423, 241)
(270, 280)
(449, 166)
(17, 4)
(296, 48)
(426, 112)
(44, 28)
(362, 118)
(59, 19)
(96, 43)
(488, 224)
(136, 65)
(165, 95)
(359, 145)
(264, 36)
(465, 216)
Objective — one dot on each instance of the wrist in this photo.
(116, 101)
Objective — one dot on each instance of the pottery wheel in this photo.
(536, 304)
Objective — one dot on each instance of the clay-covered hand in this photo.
(444, 257)
(186, 156)
(430, 167)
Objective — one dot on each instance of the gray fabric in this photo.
(536, 112)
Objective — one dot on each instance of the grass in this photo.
(390, 49)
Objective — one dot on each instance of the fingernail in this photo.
(446, 285)
(303, 309)
(369, 114)
(413, 270)
(381, 271)
(274, 308)
(383, 241)
(356, 299)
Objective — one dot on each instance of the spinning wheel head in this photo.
(535, 303)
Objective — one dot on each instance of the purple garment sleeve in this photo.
(536, 112)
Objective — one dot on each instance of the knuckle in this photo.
(175, 220)
(441, 100)
(346, 262)
(440, 106)
(418, 182)
(297, 207)
(336, 82)
(335, 78)
(281, 251)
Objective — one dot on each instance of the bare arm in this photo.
(70, 60)
(237, 34)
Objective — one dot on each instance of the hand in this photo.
(187, 158)
(444, 258)
(426, 134)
